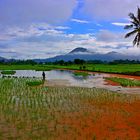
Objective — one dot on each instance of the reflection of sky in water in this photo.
(59, 75)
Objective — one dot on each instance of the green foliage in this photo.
(27, 67)
(79, 61)
(125, 82)
(8, 72)
(129, 69)
(34, 83)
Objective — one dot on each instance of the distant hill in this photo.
(85, 54)
(2, 59)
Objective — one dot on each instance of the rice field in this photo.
(35, 83)
(128, 69)
(8, 72)
(57, 113)
(125, 82)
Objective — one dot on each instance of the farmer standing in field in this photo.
(43, 75)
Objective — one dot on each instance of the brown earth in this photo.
(110, 121)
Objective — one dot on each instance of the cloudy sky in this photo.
(46, 28)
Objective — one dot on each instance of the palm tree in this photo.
(135, 25)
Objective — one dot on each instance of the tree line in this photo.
(76, 62)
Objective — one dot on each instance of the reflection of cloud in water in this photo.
(58, 75)
(64, 75)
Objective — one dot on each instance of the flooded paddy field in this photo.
(68, 78)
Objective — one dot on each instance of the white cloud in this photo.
(32, 11)
(120, 24)
(62, 28)
(44, 40)
(34, 30)
(110, 9)
(108, 36)
(80, 21)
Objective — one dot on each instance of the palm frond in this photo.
(135, 23)
(138, 40)
(131, 33)
(138, 14)
(135, 40)
(128, 26)
(132, 16)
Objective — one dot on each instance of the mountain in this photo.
(79, 50)
(2, 59)
(85, 54)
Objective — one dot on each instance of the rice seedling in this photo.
(63, 113)
(34, 83)
(125, 82)
(8, 72)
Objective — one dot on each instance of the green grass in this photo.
(125, 82)
(84, 74)
(37, 113)
(8, 72)
(130, 69)
(27, 67)
(35, 83)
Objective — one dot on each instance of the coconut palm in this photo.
(135, 26)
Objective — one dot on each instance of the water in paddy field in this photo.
(68, 78)
(61, 76)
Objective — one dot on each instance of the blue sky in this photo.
(46, 28)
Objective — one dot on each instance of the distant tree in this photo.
(61, 62)
(79, 61)
(135, 26)
(69, 62)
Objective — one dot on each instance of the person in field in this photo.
(43, 75)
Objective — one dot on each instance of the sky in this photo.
(45, 28)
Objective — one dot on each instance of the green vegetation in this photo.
(129, 69)
(8, 72)
(38, 113)
(38, 67)
(84, 74)
(44, 69)
(125, 82)
(35, 83)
